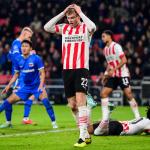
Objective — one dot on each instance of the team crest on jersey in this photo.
(31, 64)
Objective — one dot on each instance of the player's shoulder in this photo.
(16, 42)
(117, 45)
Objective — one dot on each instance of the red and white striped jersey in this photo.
(113, 55)
(75, 45)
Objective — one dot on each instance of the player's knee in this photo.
(28, 102)
(129, 95)
(103, 94)
(81, 99)
(72, 105)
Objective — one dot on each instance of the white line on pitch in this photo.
(37, 132)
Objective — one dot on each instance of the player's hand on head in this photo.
(77, 8)
(66, 9)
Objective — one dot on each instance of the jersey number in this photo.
(125, 81)
(84, 82)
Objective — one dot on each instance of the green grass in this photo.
(65, 140)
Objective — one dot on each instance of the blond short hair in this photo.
(27, 29)
(71, 11)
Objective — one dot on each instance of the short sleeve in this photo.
(39, 63)
(119, 51)
(16, 47)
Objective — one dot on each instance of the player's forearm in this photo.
(42, 78)
(90, 24)
(14, 78)
(50, 26)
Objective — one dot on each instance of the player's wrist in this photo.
(81, 14)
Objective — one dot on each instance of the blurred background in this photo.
(129, 21)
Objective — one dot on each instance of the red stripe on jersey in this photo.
(113, 49)
(65, 28)
(83, 28)
(75, 55)
(63, 52)
(70, 32)
(68, 55)
(77, 29)
(82, 55)
(119, 70)
(56, 28)
(113, 65)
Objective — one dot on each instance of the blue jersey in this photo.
(15, 52)
(29, 68)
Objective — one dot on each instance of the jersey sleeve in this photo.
(119, 51)
(16, 67)
(58, 28)
(16, 46)
(39, 63)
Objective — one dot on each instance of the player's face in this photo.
(73, 19)
(27, 35)
(25, 47)
(105, 38)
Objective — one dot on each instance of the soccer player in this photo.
(116, 74)
(33, 76)
(131, 127)
(13, 56)
(76, 37)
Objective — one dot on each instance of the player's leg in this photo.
(44, 98)
(27, 110)
(125, 85)
(7, 106)
(73, 107)
(81, 88)
(106, 91)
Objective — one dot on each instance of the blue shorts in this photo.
(25, 92)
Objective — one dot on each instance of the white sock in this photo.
(105, 109)
(53, 122)
(83, 122)
(8, 122)
(26, 118)
(134, 108)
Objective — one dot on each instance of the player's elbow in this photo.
(92, 28)
(46, 28)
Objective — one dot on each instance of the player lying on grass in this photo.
(33, 76)
(131, 127)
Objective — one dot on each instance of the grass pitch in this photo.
(41, 136)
